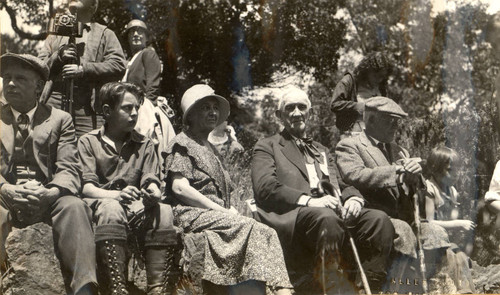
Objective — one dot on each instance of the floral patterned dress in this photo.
(237, 248)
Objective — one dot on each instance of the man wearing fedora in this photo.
(290, 174)
(40, 172)
(95, 59)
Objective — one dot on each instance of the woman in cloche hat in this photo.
(144, 65)
(239, 250)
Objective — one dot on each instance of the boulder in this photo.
(486, 278)
(34, 268)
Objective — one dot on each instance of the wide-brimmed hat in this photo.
(197, 93)
(14, 60)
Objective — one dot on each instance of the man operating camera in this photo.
(95, 58)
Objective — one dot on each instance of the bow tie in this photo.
(306, 146)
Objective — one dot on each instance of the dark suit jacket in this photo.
(54, 147)
(145, 72)
(279, 178)
(362, 164)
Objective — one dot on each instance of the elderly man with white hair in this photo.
(298, 194)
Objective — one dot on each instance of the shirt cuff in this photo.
(303, 200)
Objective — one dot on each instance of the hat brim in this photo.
(396, 115)
(224, 108)
(16, 60)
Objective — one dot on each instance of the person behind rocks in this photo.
(238, 249)
(101, 60)
(120, 180)
(368, 79)
(286, 171)
(223, 138)
(382, 171)
(441, 208)
(40, 172)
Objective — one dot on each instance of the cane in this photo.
(328, 188)
(419, 188)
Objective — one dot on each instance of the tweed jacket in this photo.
(279, 178)
(103, 61)
(54, 147)
(363, 165)
(145, 72)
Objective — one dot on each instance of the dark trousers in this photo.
(72, 234)
(321, 228)
(85, 118)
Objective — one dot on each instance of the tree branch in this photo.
(15, 27)
(351, 17)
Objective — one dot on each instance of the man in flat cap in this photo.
(290, 175)
(381, 169)
(40, 172)
(372, 162)
(96, 59)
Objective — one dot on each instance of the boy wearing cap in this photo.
(95, 59)
(121, 185)
(289, 173)
(40, 172)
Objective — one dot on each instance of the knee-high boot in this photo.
(111, 244)
(162, 271)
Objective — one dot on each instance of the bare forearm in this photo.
(190, 196)
(93, 192)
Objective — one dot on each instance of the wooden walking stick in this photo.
(419, 188)
(328, 188)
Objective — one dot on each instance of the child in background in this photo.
(441, 208)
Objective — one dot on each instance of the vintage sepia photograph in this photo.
(248, 147)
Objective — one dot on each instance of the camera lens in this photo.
(64, 20)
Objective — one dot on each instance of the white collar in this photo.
(30, 113)
(216, 140)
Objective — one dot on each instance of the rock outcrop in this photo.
(35, 268)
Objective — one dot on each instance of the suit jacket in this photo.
(103, 61)
(54, 147)
(279, 178)
(145, 72)
(363, 165)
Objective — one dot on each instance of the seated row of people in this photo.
(311, 202)
(115, 171)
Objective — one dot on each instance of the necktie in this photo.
(384, 150)
(23, 122)
(306, 146)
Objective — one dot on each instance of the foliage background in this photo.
(248, 51)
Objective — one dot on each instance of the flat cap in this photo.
(13, 59)
(384, 105)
